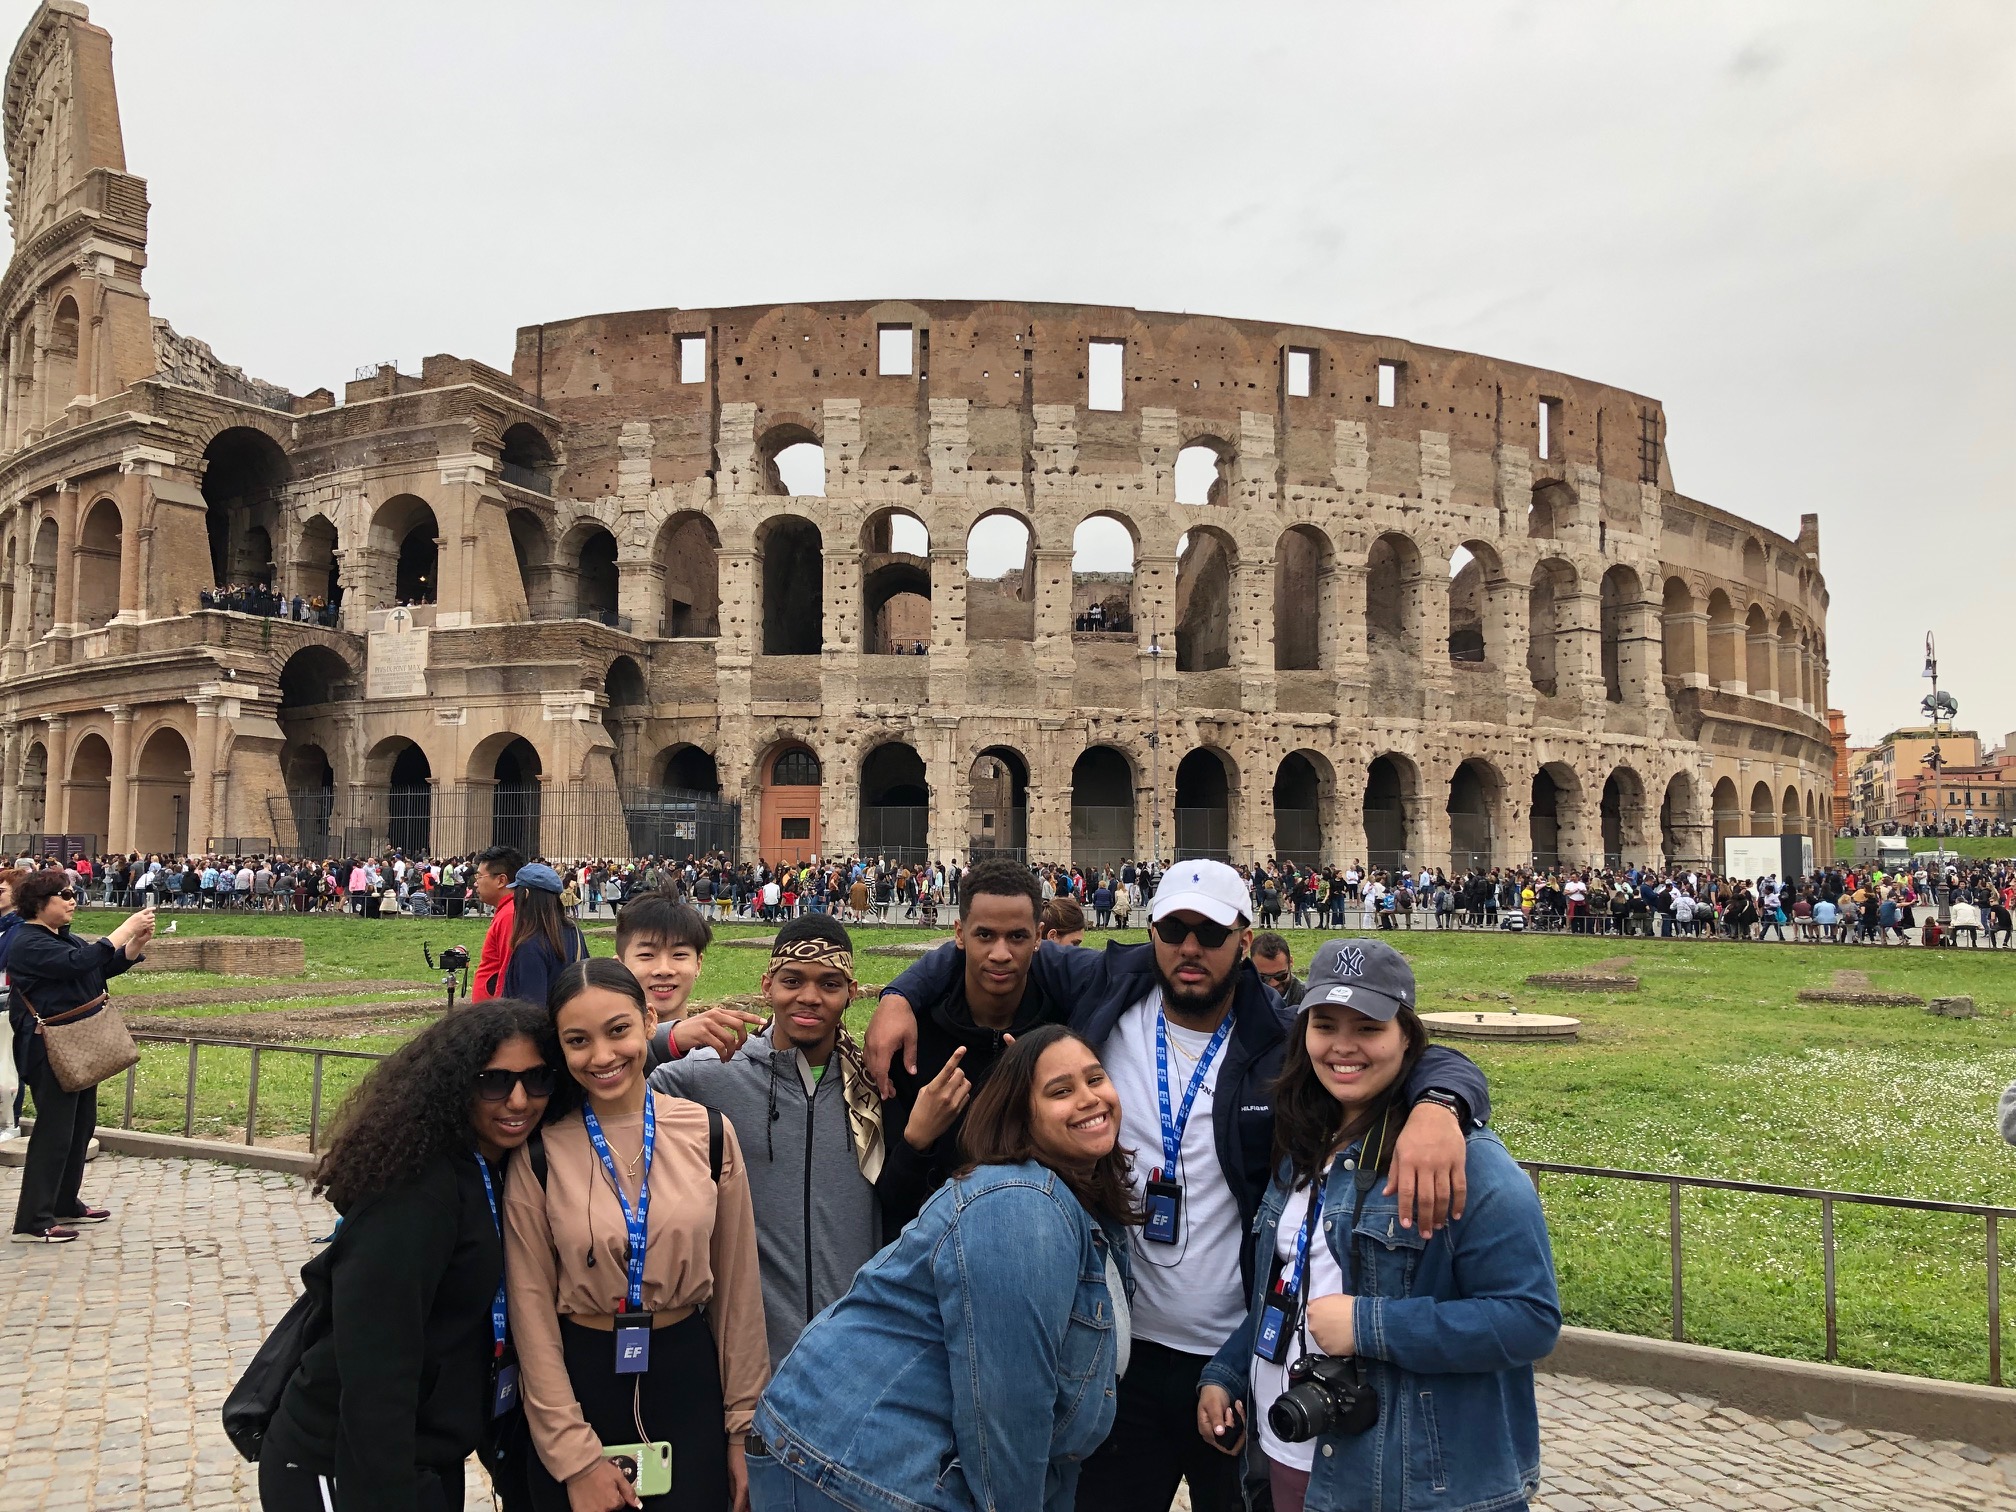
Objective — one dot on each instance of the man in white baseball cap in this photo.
(1210, 888)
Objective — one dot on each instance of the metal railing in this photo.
(520, 476)
(259, 1050)
(1675, 1184)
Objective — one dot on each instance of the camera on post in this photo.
(1326, 1394)
(453, 966)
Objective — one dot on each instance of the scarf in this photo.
(864, 1105)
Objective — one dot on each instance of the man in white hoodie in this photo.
(2009, 1113)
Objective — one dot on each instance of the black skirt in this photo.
(680, 1400)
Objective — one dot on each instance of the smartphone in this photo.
(648, 1467)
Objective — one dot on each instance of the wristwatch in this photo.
(1447, 1100)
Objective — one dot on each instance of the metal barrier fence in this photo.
(1535, 1169)
(1828, 1200)
(259, 1050)
(632, 821)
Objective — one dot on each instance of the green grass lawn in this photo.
(1712, 1069)
(1980, 847)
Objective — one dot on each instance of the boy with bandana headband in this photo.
(813, 1144)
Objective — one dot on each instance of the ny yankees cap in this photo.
(1368, 975)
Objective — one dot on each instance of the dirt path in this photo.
(205, 997)
(288, 1025)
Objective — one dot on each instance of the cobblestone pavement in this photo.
(133, 1335)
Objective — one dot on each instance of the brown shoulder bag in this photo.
(87, 1044)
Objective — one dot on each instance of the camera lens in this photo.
(1299, 1414)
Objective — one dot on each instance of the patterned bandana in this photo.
(811, 951)
(864, 1104)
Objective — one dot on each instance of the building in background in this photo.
(1844, 762)
(1192, 585)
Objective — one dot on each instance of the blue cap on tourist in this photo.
(538, 876)
(1368, 975)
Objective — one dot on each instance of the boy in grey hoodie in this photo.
(812, 1166)
(2009, 1113)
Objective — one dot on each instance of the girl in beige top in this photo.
(704, 1358)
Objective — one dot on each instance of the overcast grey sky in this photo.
(1795, 224)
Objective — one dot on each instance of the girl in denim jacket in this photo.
(1381, 1371)
(972, 1363)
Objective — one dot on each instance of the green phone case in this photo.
(647, 1466)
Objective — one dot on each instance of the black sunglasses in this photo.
(493, 1085)
(1173, 931)
(68, 895)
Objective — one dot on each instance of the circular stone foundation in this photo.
(1502, 1026)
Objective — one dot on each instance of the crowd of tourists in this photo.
(1091, 1222)
(260, 599)
(1835, 905)
(1966, 903)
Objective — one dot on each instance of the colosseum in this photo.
(937, 577)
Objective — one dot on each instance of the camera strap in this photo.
(1364, 1177)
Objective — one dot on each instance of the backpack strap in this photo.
(535, 1152)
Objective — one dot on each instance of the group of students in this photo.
(1049, 1239)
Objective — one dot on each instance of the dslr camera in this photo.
(1326, 1394)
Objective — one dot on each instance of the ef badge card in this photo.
(1277, 1321)
(633, 1348)
(503, 1389)
(1165, 1212)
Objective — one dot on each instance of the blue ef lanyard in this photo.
(1172, 1128)
(634, 1219)
(497, 1302)
(1292, 1282)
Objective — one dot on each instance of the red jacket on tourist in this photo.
(496, 951)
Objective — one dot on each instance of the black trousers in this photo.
(296, 1488)
(679, 1398)
(53, 1170)
(1155, 1443)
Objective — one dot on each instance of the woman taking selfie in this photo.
(49, 973)
(405, 1383)
(972, 1362)
(1381, 1370)
(635, 1294)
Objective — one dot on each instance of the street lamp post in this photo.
(1942, 708)
(1155, 742)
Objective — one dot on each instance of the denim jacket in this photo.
(1448, 1330)
(971, 1363)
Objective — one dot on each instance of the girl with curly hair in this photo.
(410, 1374)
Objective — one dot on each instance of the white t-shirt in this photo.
(1325, 1279)
(1187, 1295)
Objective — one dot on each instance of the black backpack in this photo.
(249, 1409)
